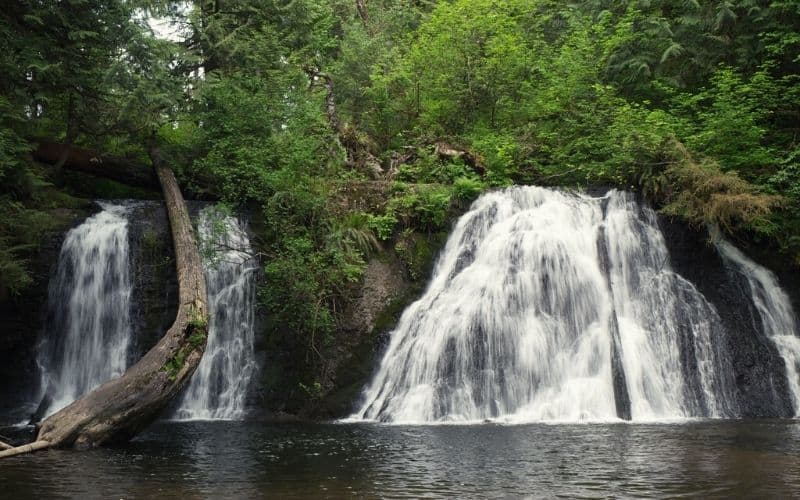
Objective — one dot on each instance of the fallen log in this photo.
(122, 407)
(93, 163)
(25, 448)
(446, 151)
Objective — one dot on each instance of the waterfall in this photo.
(89, 334)
(88, 325)
(661, 316)
(559, 306)
(218, 388)
(774, 310)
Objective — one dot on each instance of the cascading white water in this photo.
(520, 318)
(218, 388)
(89, 307)
(775, 310)
(653, 304)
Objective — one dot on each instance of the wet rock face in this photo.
(761, 385)
(20, 326)
(382, 282)
(155, 287)
(21, 320)
(348, 360)
(375, 307)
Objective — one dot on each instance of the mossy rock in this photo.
(418, 252)
(355, 372)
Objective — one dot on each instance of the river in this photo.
(185, 460)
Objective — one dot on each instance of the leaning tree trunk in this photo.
(122, 407)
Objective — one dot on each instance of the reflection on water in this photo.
(230, 459)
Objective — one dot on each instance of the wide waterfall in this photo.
(558, 306)
(218, 389)
(89, 324)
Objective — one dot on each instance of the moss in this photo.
(174, 364)
(197, 321)
(52, 198)
(196, 331)
(390, 315)
(418, 252)
(61, 185)
(152, 246)
(198, 337)
(313, 391)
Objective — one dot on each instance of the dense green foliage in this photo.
(82, 72)
(354, 130)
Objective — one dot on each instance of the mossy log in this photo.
(122, 407)
(94, 163)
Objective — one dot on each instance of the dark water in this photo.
(245, 460)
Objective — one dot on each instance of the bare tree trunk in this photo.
(318, 78)
(122, 407)
(25, 448)
(363, 13)
(357, 153)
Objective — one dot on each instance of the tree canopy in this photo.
(296, 107)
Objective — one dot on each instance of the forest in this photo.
(349, 129)
(281, 224)
(290, 105)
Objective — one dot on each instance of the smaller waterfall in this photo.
(88, 326)
(218, 388)
(775, 310)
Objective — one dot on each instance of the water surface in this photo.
(246, 460)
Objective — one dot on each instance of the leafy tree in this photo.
(263, 103)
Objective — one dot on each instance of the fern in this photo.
(673, 51)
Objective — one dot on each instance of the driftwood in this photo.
(397, 159)
(122, 407)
